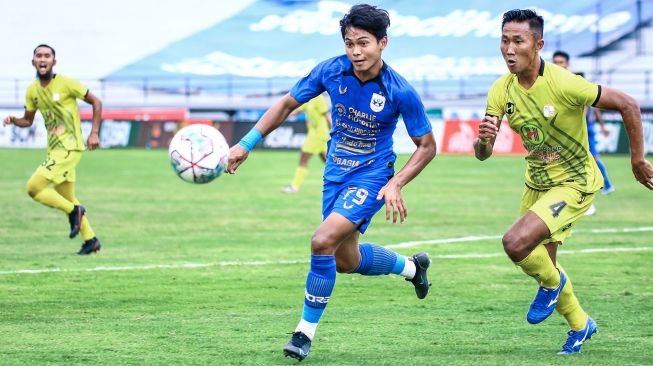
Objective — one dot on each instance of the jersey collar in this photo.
(541, 72)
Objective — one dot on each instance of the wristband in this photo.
(482, 141)
(251, 139)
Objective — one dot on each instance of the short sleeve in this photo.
(29, 100)
(412, 110)
(77, 89)
(580, 91)
(495, 99)
(310, 86)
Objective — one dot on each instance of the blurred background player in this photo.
(367, 97)
(562, 58)
(53, 182)
(545, 104)
(318, 124)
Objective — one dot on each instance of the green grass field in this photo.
(214, 274)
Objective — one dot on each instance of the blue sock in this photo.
(319, 286)
(377, 260)
(604, 172)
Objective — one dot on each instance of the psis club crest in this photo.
(377, 102)
(532, 134)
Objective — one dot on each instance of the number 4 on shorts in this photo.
(556, 208)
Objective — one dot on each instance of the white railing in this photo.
(252, 93)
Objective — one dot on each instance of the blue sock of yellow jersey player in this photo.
(318, 123)
(546, 104)
(53, 182)
(367, 97)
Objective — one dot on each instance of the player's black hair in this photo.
(562, 54)
(368, 18)
(535, 22)
(45, 45)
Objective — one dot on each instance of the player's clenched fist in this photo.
(488, 129)
(8, 120)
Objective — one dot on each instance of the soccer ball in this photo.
(198, 153)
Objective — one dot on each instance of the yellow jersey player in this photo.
(318, 124)
(53, 182)
(545, 105)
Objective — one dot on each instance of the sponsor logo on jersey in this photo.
(532, 134)
(377, 102)
(510, 108)
(345, 162)
(340, 109)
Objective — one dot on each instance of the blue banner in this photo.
(428, 40)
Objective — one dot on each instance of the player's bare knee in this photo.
(512, 244)
(322, 244)
(517, 246)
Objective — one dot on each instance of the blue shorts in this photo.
(354, 199)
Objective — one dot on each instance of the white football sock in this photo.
(307, 328)
(409, 268)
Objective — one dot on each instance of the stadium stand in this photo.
(272, 43)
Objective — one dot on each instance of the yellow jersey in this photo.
(57, 102)
(550, 118)
(316, 122)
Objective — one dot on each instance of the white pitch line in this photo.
(399, 245)
(624, 230)
(155, 266)
(581, 251)
(409, 244)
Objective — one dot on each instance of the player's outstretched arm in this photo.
(487, 135)
(391, 192)
(25, 121)
(271, 119)
(93, 140)
(632, 117)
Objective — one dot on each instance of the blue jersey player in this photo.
(367, 97)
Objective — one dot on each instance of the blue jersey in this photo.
(364, 116)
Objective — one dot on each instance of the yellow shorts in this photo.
(314, 145)
(59, 166)
(559, 208)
